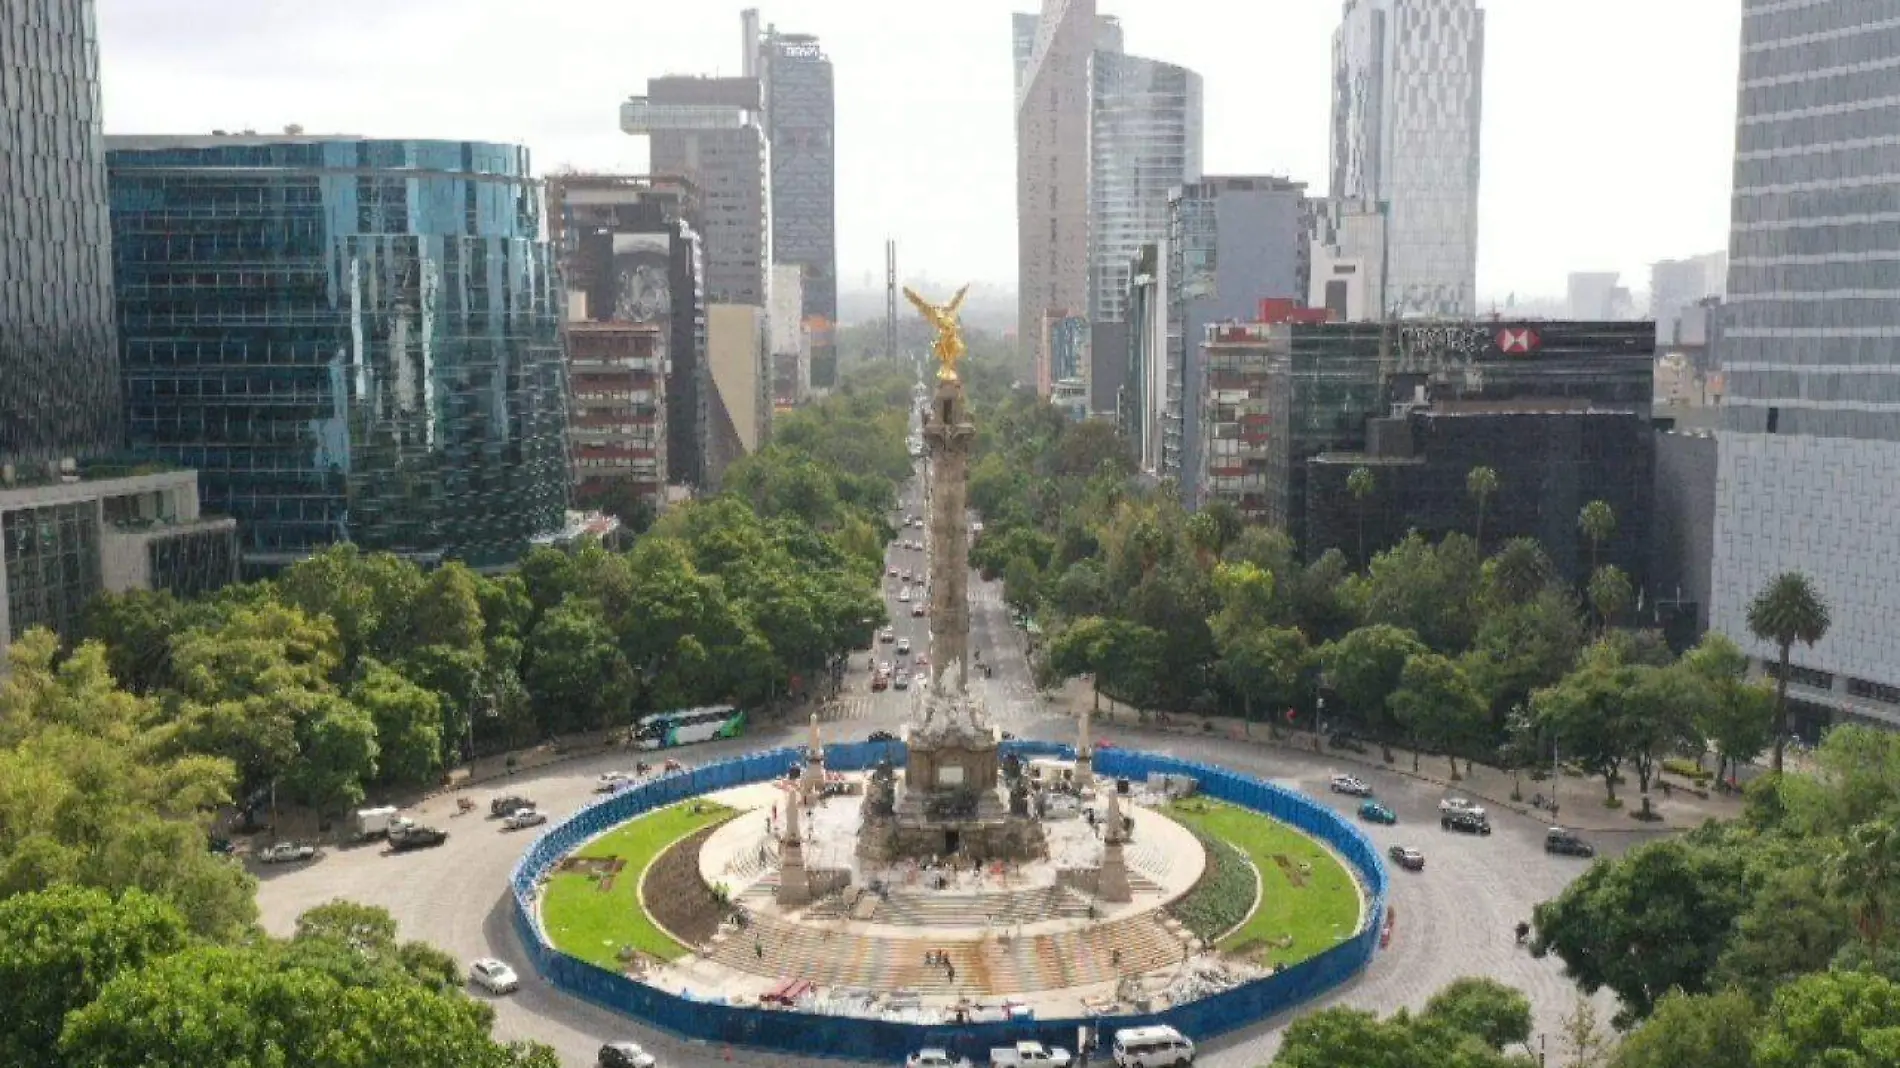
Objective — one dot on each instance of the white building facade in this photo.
(1810, 429)
(1407, 92)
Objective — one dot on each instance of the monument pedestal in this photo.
(951, 804)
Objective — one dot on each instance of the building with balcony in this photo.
(616, 382)
(792, 351)
(69, 533)
(630, 252)
(350, 339)
(1237, 361)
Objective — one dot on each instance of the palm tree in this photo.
(1610, 594)
(1360, 485)
(1519, 571)
(1786, 611)
(1481, 483)
(1598, 523)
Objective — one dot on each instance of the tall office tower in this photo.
(711, 132)
(59, 362)
(1677, 287)
(1052, 174)
(1145, 139)
(1810, 427)
(353, 340)
(1231, 242)
(801, 122)
(1408, 79)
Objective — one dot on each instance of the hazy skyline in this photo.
(1607, 142)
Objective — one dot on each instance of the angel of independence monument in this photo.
(950, 802)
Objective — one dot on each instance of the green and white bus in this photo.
(663, 730)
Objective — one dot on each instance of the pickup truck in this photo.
(1029, 1055)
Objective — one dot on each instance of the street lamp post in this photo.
(1319, 723)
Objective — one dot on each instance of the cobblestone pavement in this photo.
(1453, 919)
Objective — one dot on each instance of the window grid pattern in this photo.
(51, 556)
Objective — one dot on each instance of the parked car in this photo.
(1566, 843)
(935, 1058)
(1029, 1055)
(903, 646)
(415, 836)
(1468, 822)
(1152, 1047)
(508, 805)
(1406, 857)
(624, 1055)
(285, 852)
(1346, 784)
(1460, 804)
(524, 817)
(901, 681)
(887, 635)
(493, 976)
(1373, 812)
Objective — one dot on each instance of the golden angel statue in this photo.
(949, 346)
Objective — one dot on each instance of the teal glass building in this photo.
(350, 339)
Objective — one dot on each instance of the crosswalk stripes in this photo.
(846, 707)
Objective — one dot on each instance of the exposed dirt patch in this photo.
(1293, 873)
(603, 870)
(677, 898)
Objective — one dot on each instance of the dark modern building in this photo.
(630, 251)
(351, 339)
(1560, 410)
(801, 123)
(59, 381)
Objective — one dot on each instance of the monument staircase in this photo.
(990, 966)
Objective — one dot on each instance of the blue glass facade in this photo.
(351, 340)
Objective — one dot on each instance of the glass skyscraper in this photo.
(1145, 139)
(352, 340)
(1810, 429)
(1408, 80)
(59, 376)
(801, 121)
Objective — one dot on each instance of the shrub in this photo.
(1684, 768)
(1223, 896)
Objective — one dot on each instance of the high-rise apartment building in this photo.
(711, 132)
(801, 123)
(1231, 242)
(1810, 424)
(59, 369)
(1052, 172)
(1407, 87)
(630, 252)
(351, 339)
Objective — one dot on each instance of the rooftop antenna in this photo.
(890, 299)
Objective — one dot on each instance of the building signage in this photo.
(1431, 348)
(1518, 341)
(799, 51)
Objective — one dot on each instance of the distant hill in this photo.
(988, 307)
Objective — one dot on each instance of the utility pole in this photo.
(890, 299)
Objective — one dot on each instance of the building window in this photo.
(1874, 691)
(1803, 676)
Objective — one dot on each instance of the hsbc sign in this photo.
(1518, 341)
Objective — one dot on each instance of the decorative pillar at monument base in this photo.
(794, 881)
(812, 783)
(1084, 751)
(1111, 881)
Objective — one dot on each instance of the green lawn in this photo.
(586, 923)
(1316, 915)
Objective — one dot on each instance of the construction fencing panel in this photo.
(809, 1035)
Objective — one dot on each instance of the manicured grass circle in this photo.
(585, 922)
(1315, 906)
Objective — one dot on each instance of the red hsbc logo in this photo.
(1519, 342)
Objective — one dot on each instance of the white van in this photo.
(1152, 1047)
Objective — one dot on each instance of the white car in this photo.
(903, 645)
(935, 1058)
(1346, 784)
(494, 976)
(526, 817)
(284, 852)
(901, 682)
(610, 781)
(1460, 804)
(903, 595)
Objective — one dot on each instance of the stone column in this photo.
(949, 435)
(1084, 751)
(813, 783)
(1111, 880)
(794, 882)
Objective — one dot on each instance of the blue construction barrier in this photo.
(810, 1035)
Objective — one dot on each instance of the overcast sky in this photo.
(1608, 124)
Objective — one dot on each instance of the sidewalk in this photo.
(1580, 799)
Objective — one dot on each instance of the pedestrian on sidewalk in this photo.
(758, 946)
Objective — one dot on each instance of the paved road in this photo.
(1453, 919)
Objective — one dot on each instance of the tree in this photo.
(408, 723)
(1517, 572)
(1366, 666)
(1865, 871)
(1786, 611)
(1792, 925)
(1360, 484)
(1524, 646)
(1693, 1031)
(59, 947)
(1737, 716)
(1481, 482)
(1436, 702)
(1660, 710)
(576, 672)
(1427, 589)
(1611, 594)
(1597, 521)
(1019, 583)
(1653, 921)
(1349, 1038)
(137, 628)
(1838, 1019)
(1263, 666)
(336, 741)
(1483, 1007)
(1123, 656)
(1587, 714)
